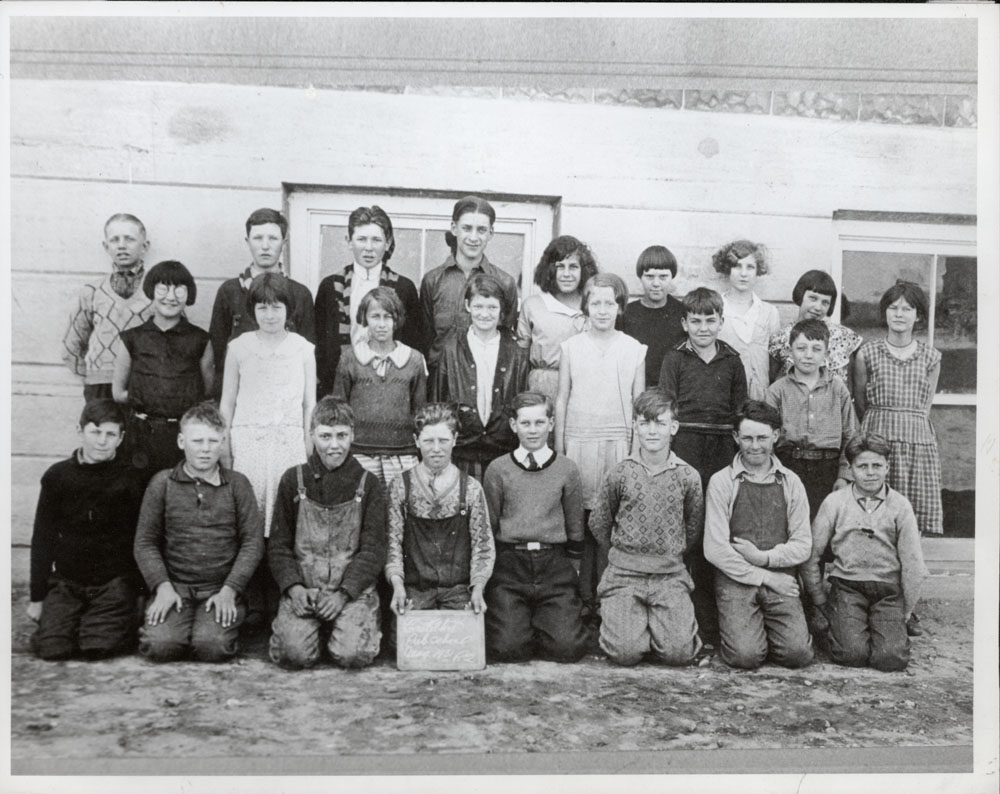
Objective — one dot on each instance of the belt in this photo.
(161, 420)
(533, 545)
(810, 454)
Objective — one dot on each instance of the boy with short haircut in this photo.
(655, 319)
(878, 566)
(756, 534)
(536, 510)
(706, 378)
(650, 512)
(266, 231)
(817, 415)
(327, 549)
(103, 310)
(84, 526)
(199, 539)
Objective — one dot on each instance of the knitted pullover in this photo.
(85, 523)
(544, 505)
(383, 404)
(99, 315)
(881, 546)
(650, 517)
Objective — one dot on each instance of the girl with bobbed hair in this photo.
(815, 294)
(749, 322)
(555, 314)
(371, 241)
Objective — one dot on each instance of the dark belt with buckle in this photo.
(533, 545)
(810, 454)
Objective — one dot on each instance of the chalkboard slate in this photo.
(440, 639)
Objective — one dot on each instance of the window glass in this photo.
(955, 320)
(866, 277)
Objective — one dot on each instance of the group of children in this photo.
(532, 475)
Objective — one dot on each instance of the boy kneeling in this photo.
(199, 539)
(84, 527)
(877, 568)
(650, 512)
(327, 548)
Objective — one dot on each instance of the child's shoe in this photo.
(913, 627)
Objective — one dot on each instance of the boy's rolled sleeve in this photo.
(281, 543)
(363, 570)
(149, 533)
(822, 531)
(250, 531)
(718, 550)
(572, 504)
(911, 559)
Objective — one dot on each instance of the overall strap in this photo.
(301, 482)
(361, 487)
(463, 480)
(406, 493)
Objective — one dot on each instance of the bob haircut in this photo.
(331, 412)
(362, 216)
(435, 414)
(818, 281)
(556, 251)
(652, 403)
(814, 330)
(172, 273)
(757, 411)
(867, 443)
(98, 412)
(702, 301)
(529, 399)
(125, 217)
(270, 288)
(725, 258)
(388, 300)
(656, 257)
(265, 215)
(911, 293)
(473, 204)
(605, 280)
(204, 413)
(487, 286)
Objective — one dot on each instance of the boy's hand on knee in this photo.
(225, 606)
(166, 599)
(477, 600)
(34, 610)
(749, 552)
(301, 600)
(782, 583)
(398, 602)
(329, 605)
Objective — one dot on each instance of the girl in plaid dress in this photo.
(894, 383)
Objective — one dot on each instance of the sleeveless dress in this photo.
(896, 394)
(599, 413)
(267, 436)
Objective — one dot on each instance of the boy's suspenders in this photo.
(463, 479)
(301, 495)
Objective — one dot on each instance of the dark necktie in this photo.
(532, 463)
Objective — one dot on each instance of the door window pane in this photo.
(955, 320)
(335, 254)
(506, 251)
(867, 275)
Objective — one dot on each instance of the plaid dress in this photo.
(897, 392)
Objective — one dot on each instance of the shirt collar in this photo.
(671, 463)
(475, 340)
(541, 455)
(558, 307)
(824, 376)
(737, 469)
(181, 474)
(319, 469)
(366, 275)
(78, 456)
(485, 266)
(247, 276)
(364, 354)
(881, 495)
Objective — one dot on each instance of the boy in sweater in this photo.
(84, 526)
(650, 512)
(536, 511)
(327, 549)
(877, 568)
(104, 310)
(199, 539)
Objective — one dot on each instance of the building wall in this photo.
(193, 160)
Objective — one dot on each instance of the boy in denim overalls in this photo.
(326, 550)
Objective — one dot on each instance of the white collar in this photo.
(558, 307)
(364, 354)
(474, 339)
(541, 455)
(364, 274)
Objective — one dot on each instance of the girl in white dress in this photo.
(268, 393)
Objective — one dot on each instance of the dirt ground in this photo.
(129, 708)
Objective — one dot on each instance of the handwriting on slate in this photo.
(440, 640)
